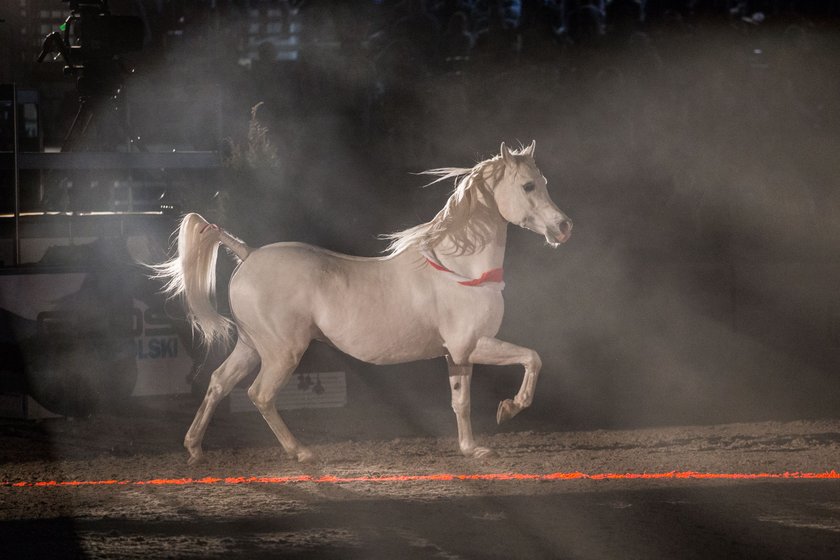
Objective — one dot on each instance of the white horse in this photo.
(437, 292)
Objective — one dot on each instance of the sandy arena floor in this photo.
(672, 518)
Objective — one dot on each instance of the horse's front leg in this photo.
(459, 384)
(491, 351)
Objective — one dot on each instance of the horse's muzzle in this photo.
(563, 231)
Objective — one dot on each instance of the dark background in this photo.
(694, 144)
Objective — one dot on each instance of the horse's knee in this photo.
(533, 362)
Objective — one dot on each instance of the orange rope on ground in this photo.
(442, 477)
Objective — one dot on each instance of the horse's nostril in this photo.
(566, 227)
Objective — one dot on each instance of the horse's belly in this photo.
(385, 356)
(380, 334)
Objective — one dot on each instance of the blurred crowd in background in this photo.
(689, 117)
(385, 65)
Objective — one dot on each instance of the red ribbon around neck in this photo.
(490, 276)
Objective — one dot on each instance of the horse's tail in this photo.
(191, 274)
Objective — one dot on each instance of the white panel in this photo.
(163, 364)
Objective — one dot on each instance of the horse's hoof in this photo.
(196, 457)
(482, 452)
(304, 455)
(507, 410)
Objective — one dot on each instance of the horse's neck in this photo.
(473, 265)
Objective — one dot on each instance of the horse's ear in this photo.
(507, 157)
(529, 151)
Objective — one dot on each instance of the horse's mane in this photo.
(465, 220)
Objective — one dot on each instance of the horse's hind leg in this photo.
(240, 363)
(275, 372)
(459, 385)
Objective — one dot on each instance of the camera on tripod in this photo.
(90, 42)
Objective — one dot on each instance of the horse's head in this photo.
(522, 197)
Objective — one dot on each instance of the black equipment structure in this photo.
(10, 155)
(16, 149)
(90, 43)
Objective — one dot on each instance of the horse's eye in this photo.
(529, 186)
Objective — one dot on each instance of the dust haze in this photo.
(698, 160)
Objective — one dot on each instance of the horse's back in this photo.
(290, 268)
